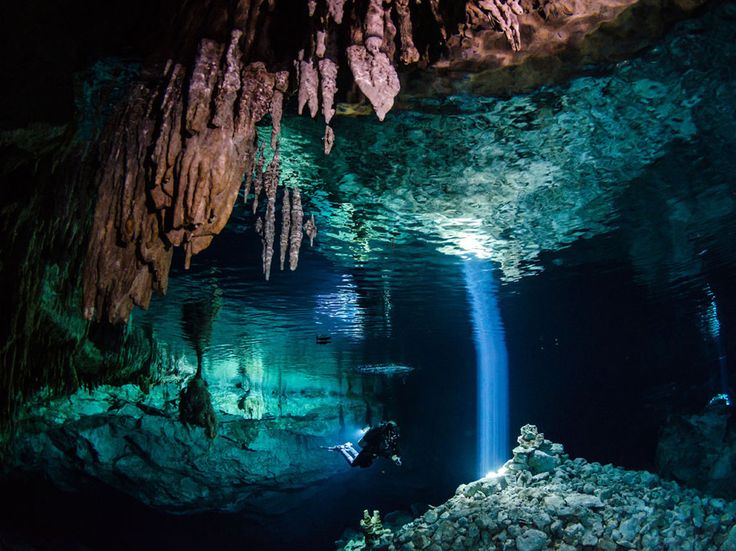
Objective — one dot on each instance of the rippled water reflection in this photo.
(642, 152)
(606, 206)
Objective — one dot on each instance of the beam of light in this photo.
(492, 366)
(497, 473)
(714, 327)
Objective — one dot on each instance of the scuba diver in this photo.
(382, 440)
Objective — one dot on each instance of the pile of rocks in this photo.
(541, 499)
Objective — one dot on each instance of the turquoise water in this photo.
(599, 215)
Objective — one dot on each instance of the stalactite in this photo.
(321, 47)
(328, 85)
(503, 13)
(335, 10)
(255, 7)
(277, 105)
(308, 85)
(229, 84)
(285, 227)
(297, 216)
(271, 182)
(258, 180)
(249, 173)
(310, 228)
(372, 69)
(409, 53)
(191, 135)
(435, 8)
(168, 143)
(261, 233)
(172, 167)
(115, 278)
(388, 46)
(201, 85)
(329, 139)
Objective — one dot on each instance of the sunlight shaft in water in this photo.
(492, 366)
(714, 326)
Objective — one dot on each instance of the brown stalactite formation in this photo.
(328, 87)
(173, 159)
(297, 216)
(372, 69)
(409, 53)
(435, 7)
(329, 139)
(321, 48)
(166, 170)
(258, 179)
(308, 86)
(388, 46)
(335, 10)
(310, 228)
(115, 277)
(249, 173)
(503, 13)
(271, 182)
(200, 129)
(285, 227)
(277, 105)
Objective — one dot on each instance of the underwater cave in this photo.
(368, 274)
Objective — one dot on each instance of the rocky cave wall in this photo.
(167, 168)
(173, 160)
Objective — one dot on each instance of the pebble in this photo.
(531, 540)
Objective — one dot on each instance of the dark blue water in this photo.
(605, 208)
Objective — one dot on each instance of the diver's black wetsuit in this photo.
(382, 440)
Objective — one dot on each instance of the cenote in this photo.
(489, 246)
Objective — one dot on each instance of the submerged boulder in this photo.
(700, 451)
(195, 406)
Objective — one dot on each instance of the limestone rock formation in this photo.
(308, 87)
(195, 403)
(258, 179)
(574, 505)
(285, 228)
(328, 87)
(310, 229)
(409, 53)
(503, 13)
(372, 69)
(376, 536)
(700, 451)
(271, 182)
(297, 215)
(195, 406)
(267, 448)
(199, 125)
(172, 160)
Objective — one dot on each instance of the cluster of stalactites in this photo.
(170, 171)
(372, 51)
(503, 14)
(267, 182)
(370, 56)
(292, 217)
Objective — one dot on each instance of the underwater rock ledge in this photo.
(542, 499)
